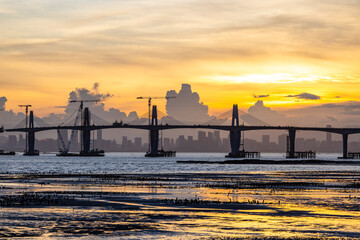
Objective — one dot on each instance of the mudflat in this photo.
(244, 205)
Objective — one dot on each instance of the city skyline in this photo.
(204, 141)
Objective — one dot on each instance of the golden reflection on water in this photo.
(242, 211)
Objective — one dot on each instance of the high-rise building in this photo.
(99, 135)
(328, 135)
(282, 142)
(21, 140)
(265, 140)
(12, 141)
(210, 136)
(167, 144)
(138, 143)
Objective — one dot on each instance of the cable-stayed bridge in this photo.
(234, 129)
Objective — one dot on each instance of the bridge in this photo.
(234, 129)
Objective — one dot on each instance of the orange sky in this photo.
(228, 51)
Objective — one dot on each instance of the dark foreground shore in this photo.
(250, 205)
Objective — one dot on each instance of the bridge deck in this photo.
(168, 127)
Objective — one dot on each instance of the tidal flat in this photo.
(244, 205)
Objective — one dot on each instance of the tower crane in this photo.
(149, 103)
(26, 106)
(82, 102)
(26, 113)
(82, 105)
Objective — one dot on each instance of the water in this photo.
(137, 163)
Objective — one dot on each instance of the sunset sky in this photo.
(288, 53)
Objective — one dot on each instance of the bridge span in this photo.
(235, 130)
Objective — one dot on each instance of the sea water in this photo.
(137, 163)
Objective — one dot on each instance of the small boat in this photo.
(2, 152)
(161, 153)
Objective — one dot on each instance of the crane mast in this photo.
(149, 105)
(26, 106)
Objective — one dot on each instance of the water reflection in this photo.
(181, 205)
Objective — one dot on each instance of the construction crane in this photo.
(82, 102)
(26, 106)
(149, 103)
(26, 113)
(82, 105)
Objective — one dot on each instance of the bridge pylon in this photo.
(30, 149)
(235, 135)
(154, 135)
(86, 136)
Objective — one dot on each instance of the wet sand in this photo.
(258, 205)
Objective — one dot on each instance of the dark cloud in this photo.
(329, 105)
(186, 106)
(96, 87)
(304, 95)
(3, 101)
(261, 96)
(331, 118)
(350, 108)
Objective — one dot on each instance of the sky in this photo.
(289, 55)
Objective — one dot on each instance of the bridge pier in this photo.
(235, 135)
(86, 135)
(345, 137)
(291, 144)
(30, 149)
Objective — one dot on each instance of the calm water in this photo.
(137, 163)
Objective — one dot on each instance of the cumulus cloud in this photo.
(9, 118)
(306, 96)
(99, 113)
(266, 114)
(186, 106)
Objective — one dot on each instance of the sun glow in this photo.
(271, 78)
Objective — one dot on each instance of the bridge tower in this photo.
(154, 135)
(86, 137)
(30, 150)
(235, 135)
